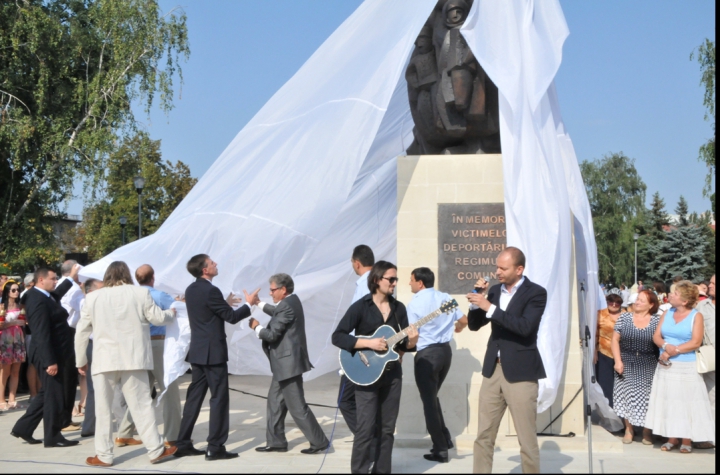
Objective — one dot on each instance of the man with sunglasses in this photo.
(363, 318)
(285, 344)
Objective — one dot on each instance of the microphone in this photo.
(479, 290)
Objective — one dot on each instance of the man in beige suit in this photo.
(119, 317)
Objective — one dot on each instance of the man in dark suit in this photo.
(512, 365)
(52, 346)
(208, 354)
(284, 343)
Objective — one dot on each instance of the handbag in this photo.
(705, 356)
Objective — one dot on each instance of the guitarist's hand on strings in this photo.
(413, 336)
(377, 344)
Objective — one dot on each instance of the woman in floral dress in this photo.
(12, 343)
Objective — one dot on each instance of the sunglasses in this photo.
(14, 290)
(392, 280)
(613, 304)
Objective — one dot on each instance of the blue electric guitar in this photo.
(364, 367)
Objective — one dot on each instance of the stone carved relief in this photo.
(453, 102)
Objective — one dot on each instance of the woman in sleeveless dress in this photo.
(635, 357)
(12, 343)
(679, 406)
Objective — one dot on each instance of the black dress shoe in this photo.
(63, 443)
(188, 452)
(270, 449)
(26, 438)
(89, 434)
(450, 444)
(314, 451)
(224, 455)
(433, 457)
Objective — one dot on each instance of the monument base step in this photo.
(602, 441)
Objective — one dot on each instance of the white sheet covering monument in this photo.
(314, 173)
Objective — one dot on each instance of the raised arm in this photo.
(223, 310)
(278, 325)
(155, 314)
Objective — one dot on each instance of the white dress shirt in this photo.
(71, 302)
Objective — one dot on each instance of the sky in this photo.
(626, 83)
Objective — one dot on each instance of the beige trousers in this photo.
(172, 408)
(136, 390)
(497, 394)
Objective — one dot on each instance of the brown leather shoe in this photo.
(170, 443)
(120, 442)
(96, 462)
(167, 453)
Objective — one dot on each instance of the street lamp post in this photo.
(139, 183)
(123, 223)
(635, 237)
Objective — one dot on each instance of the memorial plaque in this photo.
(470, 236)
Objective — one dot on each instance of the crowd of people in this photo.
(107, 339)
(646, 361)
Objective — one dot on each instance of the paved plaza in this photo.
(247, 431)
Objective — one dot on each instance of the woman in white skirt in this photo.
(679, 407)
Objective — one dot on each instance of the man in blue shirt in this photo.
(172, 410)
(434, 355)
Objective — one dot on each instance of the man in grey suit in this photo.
(284, 343)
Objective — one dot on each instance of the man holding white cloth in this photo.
(119, 317)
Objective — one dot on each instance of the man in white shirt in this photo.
(71, 302)
(362, 261)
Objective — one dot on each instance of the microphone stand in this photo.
(589, 376)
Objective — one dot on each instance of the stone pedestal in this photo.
(424, 182)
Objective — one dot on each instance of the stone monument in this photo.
(451, 218)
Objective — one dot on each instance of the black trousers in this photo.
(71, 379)
(88, 425)
(605, 374)
(431, 367)
(215, 378)
(346, 403)
(377, 404)
(48, 406)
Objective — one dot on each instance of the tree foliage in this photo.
(166, 184)
(69, 71)
(682, 252)
(706, 58)
(682, 212)
(617, 199)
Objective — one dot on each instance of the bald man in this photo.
(172, 411)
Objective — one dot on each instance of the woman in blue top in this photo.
(679, 407)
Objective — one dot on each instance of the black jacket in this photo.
(514, 332)
(283, 339)
(52, 337)
(207, 313)
(364, 318)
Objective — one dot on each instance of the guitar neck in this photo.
(392, 341)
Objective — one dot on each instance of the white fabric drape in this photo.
(314, 173)
(177, 344)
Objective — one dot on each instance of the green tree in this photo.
(166, 184)
(682, 252)
(617, 195)
(658, 217)
(682, 212)
(69, 72)
(706, 57)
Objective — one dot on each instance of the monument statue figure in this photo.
(453, 102)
